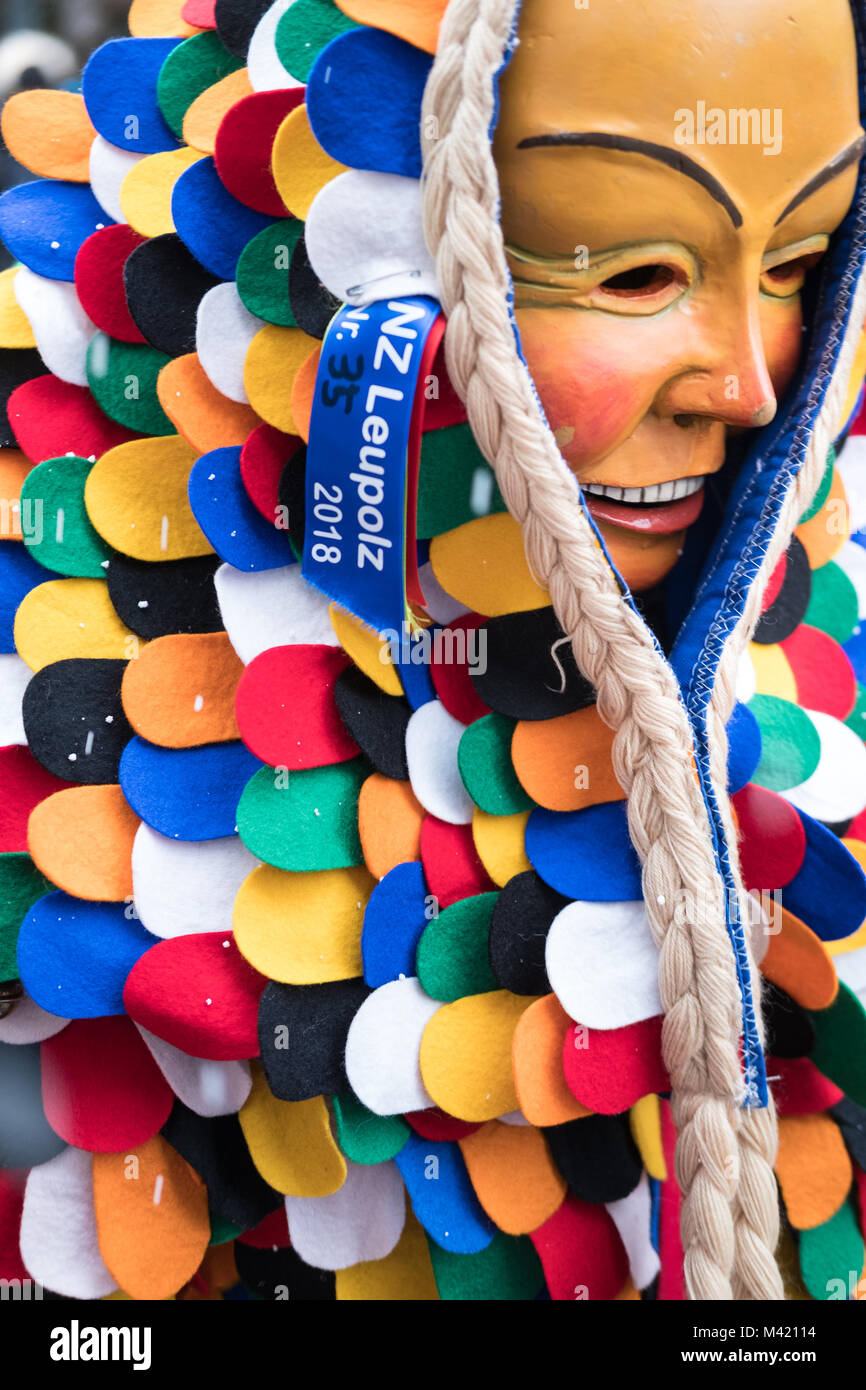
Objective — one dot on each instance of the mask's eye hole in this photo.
(642, 280)
(788, 277)
(787, 272)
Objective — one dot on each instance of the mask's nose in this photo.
(729, 379)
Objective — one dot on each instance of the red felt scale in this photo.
(200, 13)
(11, 1204)
(798, 1086)
(450, 676)
(451, 864)
(285, 707)
(438, 1127)
(263, 458)
(99, 280)
(609, 1070)
(672, 1284)
(51, 418)
(581, 1252)
(823, 673)
(442, 405)
(272, 1231)
(773, 843)
(25, 783)
(244, 143)
(199, 994)
(774, 585)
(101, 1089)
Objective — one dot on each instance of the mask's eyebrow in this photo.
(830, 171)
(675, 159)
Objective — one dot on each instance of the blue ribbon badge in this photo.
(362, 456)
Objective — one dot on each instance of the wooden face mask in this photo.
(670, 172)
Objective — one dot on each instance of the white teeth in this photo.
(656, 492)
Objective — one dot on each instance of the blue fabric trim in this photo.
(752, 516)
(655, 1211)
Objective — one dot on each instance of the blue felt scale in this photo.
(344, 101)
(74, 956)
(212, 224)
(44, 224)
(445, 1204)
(236, 529)
(394, 920)
(187, 793)
(585, 854)
(119, 89)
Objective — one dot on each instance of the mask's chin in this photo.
(644, 528)
(643, 559)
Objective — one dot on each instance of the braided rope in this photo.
(724, 1154)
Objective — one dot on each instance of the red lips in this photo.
(652, 518)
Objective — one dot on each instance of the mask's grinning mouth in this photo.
(647, 496)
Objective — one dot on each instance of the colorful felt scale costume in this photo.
(335, 974)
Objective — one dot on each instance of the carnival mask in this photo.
(669, 173)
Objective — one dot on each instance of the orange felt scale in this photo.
(565, 763)
(203, 118)
(181, 690)
(14, 467)
(829, 529)
(389, 824)
(417, 23)
(199, 412)
(813, 1168)
(797, 961)
(156, 19)
(50, 133)
(151, 1218)
(81, 838)
(628, 1293)
(514, 1176)
(537, 1060)
(303, 392)
(218, 1271)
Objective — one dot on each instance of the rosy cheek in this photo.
(782, 336)
(594, 388)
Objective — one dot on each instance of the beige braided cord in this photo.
(724, 1154)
